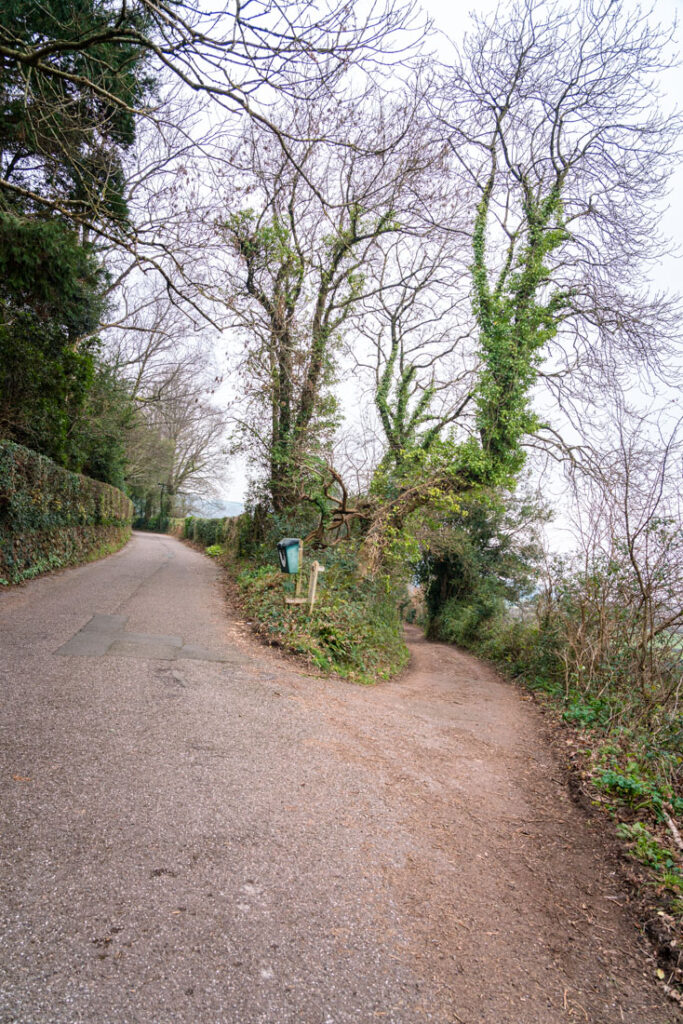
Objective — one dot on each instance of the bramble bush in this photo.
(579, 645)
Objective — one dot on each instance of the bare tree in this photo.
(164, 360)
(551, 117)
(617, 604)
(86, 77)
(178, 439)
(421, 357)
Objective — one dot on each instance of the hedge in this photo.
(51, 518)
(205, 531)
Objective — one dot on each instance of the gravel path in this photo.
(193, 830)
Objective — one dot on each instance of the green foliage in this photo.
(631, 787)
(586, 711)
(300, 407)
(353, 630)
(304, 294)
(524, 650)
(71, 76)
(405, 425)
(632, 745)
(68, 105)
(478, 557)
(259, 529)
(158, 523)
(98, 433)
(50, 302)
(516, 317)
(50, 517)
(207, 532)
(56, 395)
(646, 848)
(355, 627)
(44, 267)
(265, 246)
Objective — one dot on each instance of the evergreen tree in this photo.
(67, 116)
(50, 302)
(68, 107)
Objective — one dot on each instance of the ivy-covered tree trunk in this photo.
(514, 318)
(306, 298)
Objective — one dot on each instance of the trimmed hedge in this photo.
(205, 531)
(51, 518)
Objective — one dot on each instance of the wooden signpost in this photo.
(316, 569)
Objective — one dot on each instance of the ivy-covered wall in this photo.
(51, 518)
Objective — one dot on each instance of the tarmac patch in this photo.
(105, 636)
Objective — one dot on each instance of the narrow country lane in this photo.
(194, 831)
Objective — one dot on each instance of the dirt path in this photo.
(193, 831)
(514, 911)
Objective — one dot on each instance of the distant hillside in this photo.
(217, 508)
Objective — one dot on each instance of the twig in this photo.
(673, 828)
(673, 994)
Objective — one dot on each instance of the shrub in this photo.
(354, 628)
(50, 517)
(207, 532)
(579, 643)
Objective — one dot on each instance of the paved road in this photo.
(191, 830)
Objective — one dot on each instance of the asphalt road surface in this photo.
(194, 831)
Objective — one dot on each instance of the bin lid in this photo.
(288, 542)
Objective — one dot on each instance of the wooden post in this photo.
(316, 569)
(313, 583)
(300, 573)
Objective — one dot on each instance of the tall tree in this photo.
(552, 115)
(63, 137)
(72, 77)
(75, 75)
(479, 557)
(552, 118)
(50, 303)
(419, 355)
(303, 249)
